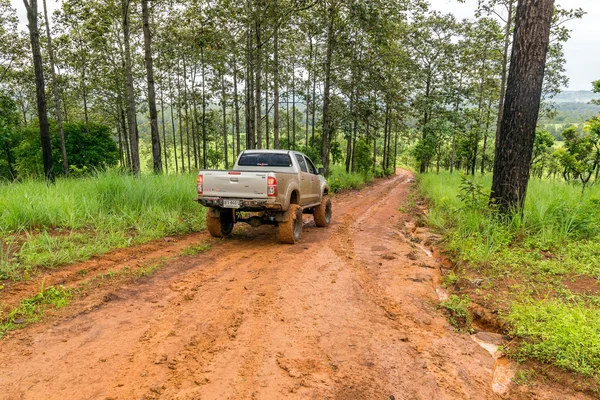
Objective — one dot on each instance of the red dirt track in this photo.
(349, 312)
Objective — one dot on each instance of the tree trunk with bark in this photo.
(327, 91)
(131, 108)
(154, 134)
(505, 55)
(40, 89)
(59, 120)
(514, 147)
(276, 88)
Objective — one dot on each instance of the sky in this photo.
(583, 61)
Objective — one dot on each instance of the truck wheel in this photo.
(221, 226)
(289, 231)
(322, 212)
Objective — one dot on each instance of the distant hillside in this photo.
(575, 96)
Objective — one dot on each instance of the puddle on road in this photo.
(504, 369)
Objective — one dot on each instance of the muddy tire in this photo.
(290, 231)
(322, 212)
(221, 226)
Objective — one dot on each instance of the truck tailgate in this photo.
(235, 184)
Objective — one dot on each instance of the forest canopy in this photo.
(189, 84)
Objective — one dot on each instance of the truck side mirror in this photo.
(322, 171)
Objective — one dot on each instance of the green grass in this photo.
(339, 180)
(32, 309)
(51, 225)
(527, 263)
(48, 225)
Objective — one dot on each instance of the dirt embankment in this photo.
(350, 312)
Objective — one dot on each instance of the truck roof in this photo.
(277, 151)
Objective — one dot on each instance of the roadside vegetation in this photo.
(45, 225)
(539, 270)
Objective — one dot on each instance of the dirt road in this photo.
(348, 313)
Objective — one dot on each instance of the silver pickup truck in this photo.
(273, 187)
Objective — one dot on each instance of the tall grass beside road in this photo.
(48, 225)
(540, 271)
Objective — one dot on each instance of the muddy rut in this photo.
(350, 312)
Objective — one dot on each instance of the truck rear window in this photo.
(265, 160)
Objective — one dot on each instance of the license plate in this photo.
(231, 203)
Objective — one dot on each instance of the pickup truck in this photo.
(273, 187)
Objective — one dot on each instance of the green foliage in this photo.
(87, 150)
(556, 239)
(339, 180)
(581, 153)
(193, 250)
(561, 333)
(458, 311)
(32, 309)
(472, 193)
(363, 156)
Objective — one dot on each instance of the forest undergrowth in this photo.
(538, 271)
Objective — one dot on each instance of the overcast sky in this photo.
(583, 59)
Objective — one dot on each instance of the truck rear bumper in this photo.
(240, 204)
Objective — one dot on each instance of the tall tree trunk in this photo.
(125, 136)
(522, 104)
(194, 117)
(131, 109)
(327, 90)
(250, 111)
(224, 101)
(187, 117)
(155, 136)
(276, 87)
(257, 82)
(236, 106)
(505, 55)
(314, 99)
(385, 135)
(293, 144)
(349, 136)
(59, 120)
(86, 117)
(164, 130)
(173, 125)
(287, 113)
(196, 133)
(395, 149)
(308, 68)
(485, 136)
(120, 141)
(267, 98)
(180, 121)
(204, 138)
(40, 89)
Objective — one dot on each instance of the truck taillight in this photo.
(271, 186)
(199, 185)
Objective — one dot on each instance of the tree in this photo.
(34, 35)
(131, 105)
(522, 104)
(61, 132)
(156, 156)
